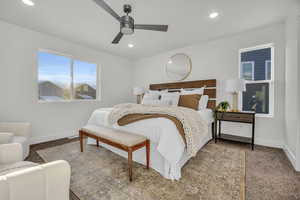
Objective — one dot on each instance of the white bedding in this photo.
(167, 154)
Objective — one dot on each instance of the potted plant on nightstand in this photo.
(223, 106)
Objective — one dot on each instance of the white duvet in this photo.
(167, 146)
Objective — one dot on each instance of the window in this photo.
(62, 78)
(257, 68)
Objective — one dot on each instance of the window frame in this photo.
(266, 69)
(271, 81)
(247, 62)
(72, 58)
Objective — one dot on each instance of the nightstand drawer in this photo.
(241, 117)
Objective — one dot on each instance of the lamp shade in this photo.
(138, 90)
(235, 85)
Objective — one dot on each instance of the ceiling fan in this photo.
(127, 25)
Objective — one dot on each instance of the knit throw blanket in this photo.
(194, 126)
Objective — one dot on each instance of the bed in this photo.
(168, 152)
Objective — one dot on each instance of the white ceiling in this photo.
(82, 21)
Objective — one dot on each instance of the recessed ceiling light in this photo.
(170, 62)
(213, 15)
(130, 45)
(28, 2)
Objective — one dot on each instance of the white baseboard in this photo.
(290, 156)
(60, 135)
(269, 143)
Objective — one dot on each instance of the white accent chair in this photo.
(21, 180)
(12, 132)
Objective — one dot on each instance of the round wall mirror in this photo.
(179, 67)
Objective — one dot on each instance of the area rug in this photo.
(216, 173)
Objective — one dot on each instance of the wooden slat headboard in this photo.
(210, 89)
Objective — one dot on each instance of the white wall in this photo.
(298, 138)
(19, 90)
(219, 59)
(292, 88)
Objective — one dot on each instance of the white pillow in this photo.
(203, 102)
(151, 102)
(199, 91)
(149, 96)
(157, 92)
(165, 102)
(156, 102)
(173, 98)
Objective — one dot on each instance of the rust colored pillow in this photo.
(189, 101)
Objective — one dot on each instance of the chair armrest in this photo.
(17, 128)
(58, 179)
(11, 153)
(6, 138)
(48, 181)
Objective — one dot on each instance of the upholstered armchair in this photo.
(12, 132)
(20, 180)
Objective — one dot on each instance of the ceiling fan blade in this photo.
(151, 27)
(117, 38)
(106, 7)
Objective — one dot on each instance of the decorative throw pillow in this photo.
(173, 98)
(203, 102)
(189, 101)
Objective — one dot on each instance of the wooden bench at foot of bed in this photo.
(123, 140)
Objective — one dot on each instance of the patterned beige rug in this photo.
(216, 173)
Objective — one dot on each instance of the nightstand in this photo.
(239, 117)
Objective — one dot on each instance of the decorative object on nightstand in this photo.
(138, 91)
(239, 117)
(223, 106)
(234, 86)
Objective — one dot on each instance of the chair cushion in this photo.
(6, 138)
(114, 135)
(19, 139)
(9, 168)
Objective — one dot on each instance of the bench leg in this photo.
(130, 164)
(97, 143)
(81, 140)
(148, 153)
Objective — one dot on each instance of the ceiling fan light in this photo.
(126, 30)
(127, 25)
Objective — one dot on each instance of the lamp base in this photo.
(234, 102)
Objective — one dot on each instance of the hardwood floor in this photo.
(269, 174)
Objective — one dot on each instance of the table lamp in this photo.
(138, 91)
(234, 86)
